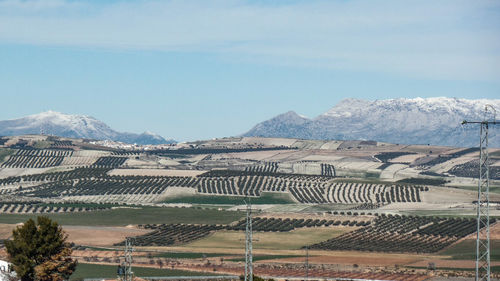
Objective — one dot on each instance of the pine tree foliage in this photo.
(58, 268)
(39, 251)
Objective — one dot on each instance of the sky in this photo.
(201, 69)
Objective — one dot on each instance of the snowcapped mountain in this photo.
(73, 126)
(286, 125)
(410, 121)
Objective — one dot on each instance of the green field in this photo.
(420, 181)
(81, 205)
(266, 257)
(85, 270)
(265, 198)
(460, 213)
(4, 152)
(494, 187)
(466, 250)
(42, 144)
(137, 215)
(188, 255)
(328, 207)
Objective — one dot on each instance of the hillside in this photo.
(305, 171)
(435, 121)
(73, 126)
(349, 202)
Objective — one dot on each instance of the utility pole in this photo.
(483, 199)
(248, 243)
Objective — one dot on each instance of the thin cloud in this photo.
(453, 39)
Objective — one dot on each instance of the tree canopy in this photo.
(39, 251)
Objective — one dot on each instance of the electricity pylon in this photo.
(248, 244)
(307, 262)
(483, 200)
(127, 265)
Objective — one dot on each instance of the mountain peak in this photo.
(291, 115)
(410, 121)
(56, 114)
(346, 108)
(151, 135)
(284, 124)
(73, 126)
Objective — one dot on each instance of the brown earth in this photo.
(449, 263)
(372, 259)
(100, 236)
(279, 271)
(6, 230)
(88, 235)
(103, 254)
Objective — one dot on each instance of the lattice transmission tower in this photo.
(128, 274)
(307, 262)
(248, 243)
(483, 199)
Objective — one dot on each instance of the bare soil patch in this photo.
(104, 254)
(268, 141)
(447, 195)
(6, 230)
(408, 158)
(449, 263)
(100, 236)
(371, 259)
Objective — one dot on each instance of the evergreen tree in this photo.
(39, 251)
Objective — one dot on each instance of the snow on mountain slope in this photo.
(410, 121)
(73, 126)
(286, 125)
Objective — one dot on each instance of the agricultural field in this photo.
(86, 270)
(386, 209)
(135, 215)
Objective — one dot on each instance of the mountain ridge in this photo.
(74, 126)
(434, 121)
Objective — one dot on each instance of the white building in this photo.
(6, 271)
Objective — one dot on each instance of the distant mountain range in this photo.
(73, 126)
(434, 121)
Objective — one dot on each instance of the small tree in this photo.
(159, 262)
(39, 251)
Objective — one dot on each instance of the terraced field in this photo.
(34, 158)
(95, 184)
(336, 198)
(386, 233)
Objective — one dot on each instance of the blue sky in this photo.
(201, 69)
